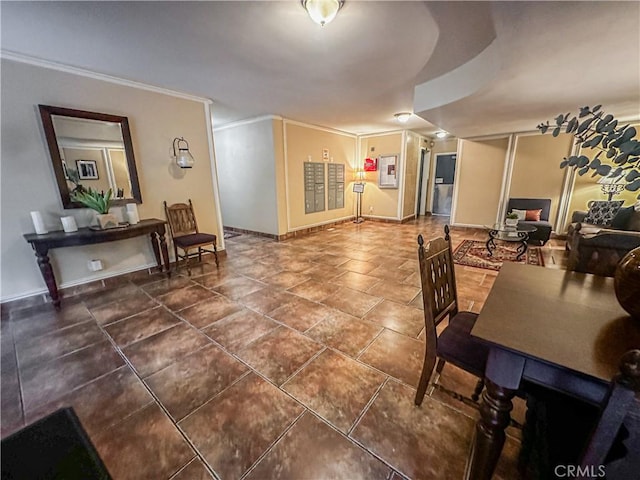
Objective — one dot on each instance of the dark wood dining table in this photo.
(555, 328)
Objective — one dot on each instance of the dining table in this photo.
(558, 329)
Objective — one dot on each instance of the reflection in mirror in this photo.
(91, 150)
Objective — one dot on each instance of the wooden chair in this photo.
(455, 344)
(185, 235)
(620, 413)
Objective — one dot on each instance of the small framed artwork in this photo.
(87, 169)
(388, 177)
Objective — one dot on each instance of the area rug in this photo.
(473, 253)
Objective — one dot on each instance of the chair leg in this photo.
(200, 254)
(478, 390)
(175, 251)
(215, 254)
(436, 377)
(427, 369)
(187, 263)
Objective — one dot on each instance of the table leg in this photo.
(489, 434)
(491, 245)
(156, 249)
(165, 251)
(49, 278)
(522, 248)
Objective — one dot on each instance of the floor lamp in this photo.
(358, 189)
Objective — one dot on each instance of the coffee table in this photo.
(519, 233)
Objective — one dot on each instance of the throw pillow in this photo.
(521, 213)
(602, 212)
(621, 220)
(533, 215)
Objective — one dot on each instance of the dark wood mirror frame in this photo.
(46, 113)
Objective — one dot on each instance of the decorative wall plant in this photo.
(619, 150)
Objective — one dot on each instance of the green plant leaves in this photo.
(93, 199)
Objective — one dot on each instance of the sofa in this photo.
(597, 249)
(543, 226)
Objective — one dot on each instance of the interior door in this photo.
(443, 183)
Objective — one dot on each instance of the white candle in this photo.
(133, 217)
(132, 213)
(69, 224)
(38, 223)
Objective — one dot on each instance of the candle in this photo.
(69, 224)
(38, 223)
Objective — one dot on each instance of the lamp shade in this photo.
(322, 11)
(183, 157)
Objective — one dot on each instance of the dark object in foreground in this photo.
(55, 447)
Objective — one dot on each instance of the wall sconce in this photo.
(183, 157)
(322, 11)
(403, 117)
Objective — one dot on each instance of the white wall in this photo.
(247, 175)
(28, 181)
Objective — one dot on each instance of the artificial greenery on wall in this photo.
(594, 129)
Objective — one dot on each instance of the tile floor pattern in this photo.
(296, 360)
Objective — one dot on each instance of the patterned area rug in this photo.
(473, 253)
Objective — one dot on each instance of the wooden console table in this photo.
(86, 236)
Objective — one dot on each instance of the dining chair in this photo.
(455, 343)
(615, 442)
(185, 234)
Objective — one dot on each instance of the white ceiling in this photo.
(268, 57)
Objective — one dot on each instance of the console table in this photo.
(86, 236)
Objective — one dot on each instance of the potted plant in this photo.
(98, 201)
(511, 220)
(595, 130)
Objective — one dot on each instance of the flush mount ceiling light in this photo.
(322, 11)
(441, 134)
(403, 117)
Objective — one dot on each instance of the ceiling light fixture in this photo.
(322, 11)
(403, 117)
(441, 134)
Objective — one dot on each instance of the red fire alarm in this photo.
(370, 164)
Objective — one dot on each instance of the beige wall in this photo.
(536, 173)
(28, 181)
(411, 174)
(120, 171)
(481, 167)
(305, 143)
(376, 201)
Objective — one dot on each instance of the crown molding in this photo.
(39, 62)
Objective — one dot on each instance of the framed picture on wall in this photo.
(388, 177)
(87, 169)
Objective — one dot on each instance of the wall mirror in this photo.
(91, 150)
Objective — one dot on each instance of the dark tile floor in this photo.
(296, 359)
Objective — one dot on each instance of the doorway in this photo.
(443, 183)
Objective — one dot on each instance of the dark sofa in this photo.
(544, 227)
(597, 249)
